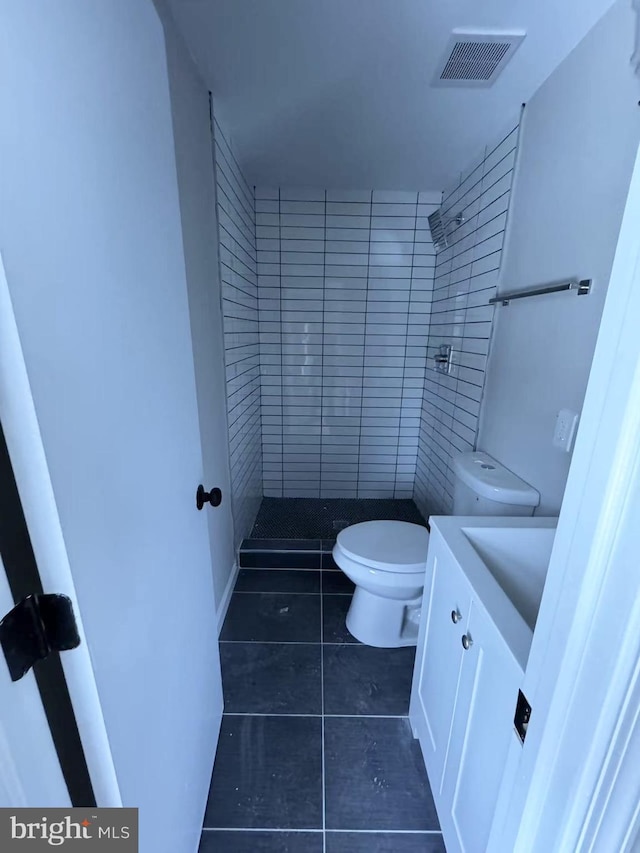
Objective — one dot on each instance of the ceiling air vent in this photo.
(476, 58)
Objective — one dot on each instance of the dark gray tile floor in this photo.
(273, 617)
(268, 773)
(382, 842)
(334, 613)
(316, 753)
(359, 679)
(276, 580)
(374, 776)
(219, 841)
(323, 518)
(272, 678)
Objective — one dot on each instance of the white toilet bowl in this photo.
(386, 560)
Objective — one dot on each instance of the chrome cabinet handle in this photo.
(456, 616)
(467, 642)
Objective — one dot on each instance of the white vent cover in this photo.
(475, 58)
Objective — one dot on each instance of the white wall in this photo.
(196, 185)
(580, 135)
(90, 234)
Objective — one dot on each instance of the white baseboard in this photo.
(226, 598)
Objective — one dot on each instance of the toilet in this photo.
(386, 560)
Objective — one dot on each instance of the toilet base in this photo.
(383, 622)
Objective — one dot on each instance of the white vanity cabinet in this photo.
(463, 701)
(447, 605)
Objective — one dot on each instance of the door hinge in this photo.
(38, 625)
(522, 717)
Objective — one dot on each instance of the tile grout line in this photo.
(317, 716)
(282, 483)
(286, 569)
(322, 342)
(316, 830)
(271, 592)
(324, 821)
(235, 207)
(364, 345)
(290, 643)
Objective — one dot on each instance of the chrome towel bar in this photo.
(581, 287)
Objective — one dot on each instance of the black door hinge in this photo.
(38, 625)
(522, 717)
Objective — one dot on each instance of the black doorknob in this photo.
(214, 497)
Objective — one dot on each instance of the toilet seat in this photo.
(390, 546)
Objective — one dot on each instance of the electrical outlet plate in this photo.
(565, 430)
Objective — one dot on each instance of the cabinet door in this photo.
(440, 661)
(480, 735)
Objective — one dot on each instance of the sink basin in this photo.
(518, 558)
(505, 559)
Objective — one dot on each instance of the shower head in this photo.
(442, 227)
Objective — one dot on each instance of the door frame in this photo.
(574, 784)
(28, 460)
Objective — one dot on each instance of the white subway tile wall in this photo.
(466, 276)
(238, 269)
(344, 287)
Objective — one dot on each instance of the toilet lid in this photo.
(387, 545)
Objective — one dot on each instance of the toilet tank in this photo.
(485, 487)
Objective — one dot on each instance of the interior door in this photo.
(35, 558)
(90, 231)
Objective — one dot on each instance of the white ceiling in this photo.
(337, 93)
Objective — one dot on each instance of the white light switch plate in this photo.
(564, 433)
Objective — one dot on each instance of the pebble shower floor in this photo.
(323, 518)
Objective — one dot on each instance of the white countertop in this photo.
(505, 560)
